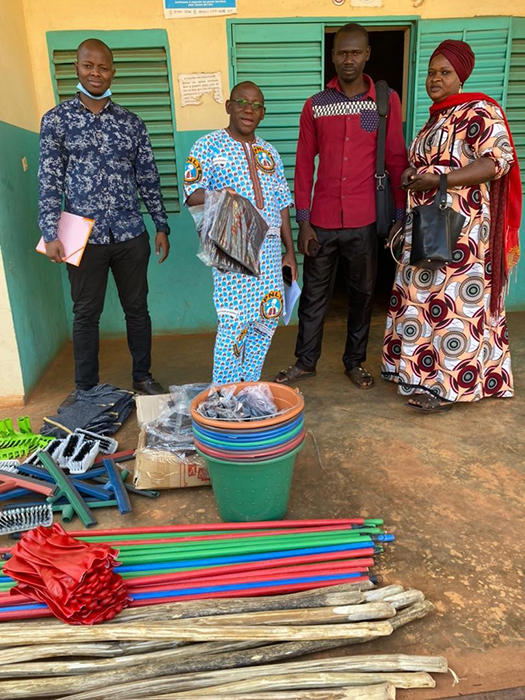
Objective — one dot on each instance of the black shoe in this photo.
(149, 386)
(69, 400)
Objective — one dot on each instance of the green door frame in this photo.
(411, 21)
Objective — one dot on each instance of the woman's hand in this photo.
(290, 261)
(407, 177)
(423, 182)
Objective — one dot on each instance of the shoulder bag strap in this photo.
(382, 103)
(441, 198)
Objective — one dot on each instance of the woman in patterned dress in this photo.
(446, 332)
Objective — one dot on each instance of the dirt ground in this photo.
(449, 486)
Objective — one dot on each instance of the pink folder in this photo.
(73, 233)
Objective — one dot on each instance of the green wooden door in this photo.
(516, 89)
(286, 61)
(490, 39)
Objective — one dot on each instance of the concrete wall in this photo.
(30, 290)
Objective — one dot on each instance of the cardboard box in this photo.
(160, 469)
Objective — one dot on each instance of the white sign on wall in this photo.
(174, 9)
(194, 85)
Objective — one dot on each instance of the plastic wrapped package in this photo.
(172, 431)
(251, 403)
(166, 455)
(231, 231)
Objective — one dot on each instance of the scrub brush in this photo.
(9, 465)
(22, 519)
(108, 445)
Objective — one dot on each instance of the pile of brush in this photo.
(233, 648)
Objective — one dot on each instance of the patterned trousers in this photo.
(248, 311)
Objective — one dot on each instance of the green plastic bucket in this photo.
(252, 491)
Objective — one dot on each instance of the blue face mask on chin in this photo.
(94, 97)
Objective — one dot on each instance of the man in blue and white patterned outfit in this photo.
(98, 156)
(248, 308)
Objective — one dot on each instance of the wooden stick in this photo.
(195, 633)
(342, 588)
(105, 650)
(403, 617)
(227, 606)
(297, 681)
(414, 612)
(382, 593)
(306, 616)
(384, 691)
(404, 599)
(13, 661)
(374, 663)
(361, 663)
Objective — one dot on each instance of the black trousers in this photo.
(356, 248)
(128, 261)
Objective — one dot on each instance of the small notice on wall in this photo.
(175, 9)
(194, 85)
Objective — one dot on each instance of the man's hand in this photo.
(55, 251)
(162, 245)
(306, 234)
(396, 227)
(290, 261)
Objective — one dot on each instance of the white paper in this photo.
(291, 294)
(194, 85)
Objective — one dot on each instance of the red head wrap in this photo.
(460, 56)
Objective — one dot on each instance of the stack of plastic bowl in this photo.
(251, 462)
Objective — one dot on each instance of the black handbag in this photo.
(435, 231)
(385, 208)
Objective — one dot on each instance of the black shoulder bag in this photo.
(435, 231)
(385, 209)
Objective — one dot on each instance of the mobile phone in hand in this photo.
(313, 247)
(287, 275)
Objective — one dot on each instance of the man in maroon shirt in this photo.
(340, 125)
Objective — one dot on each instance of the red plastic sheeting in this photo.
(75, 579)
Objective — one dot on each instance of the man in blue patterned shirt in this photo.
(98, 157)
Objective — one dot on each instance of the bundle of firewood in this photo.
(235, 648)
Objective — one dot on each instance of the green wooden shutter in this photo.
(515, 99)
(516, 117)
(286, 61)
(489, 38)
(142, 85)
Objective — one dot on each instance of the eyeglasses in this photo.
(242, 103)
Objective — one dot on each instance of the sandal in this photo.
(427, 403)
(360, 377)
(293, 374)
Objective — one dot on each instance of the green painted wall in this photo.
(33, 283)
(180, 297)
(515, 300)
